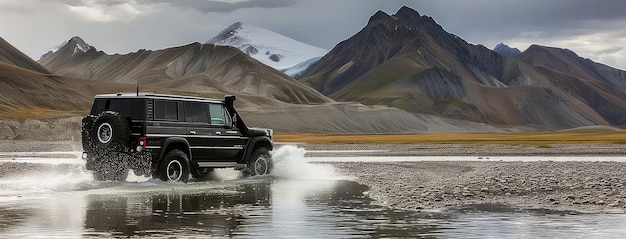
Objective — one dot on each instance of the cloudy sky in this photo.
(594, 29)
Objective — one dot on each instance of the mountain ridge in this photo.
(11, 55)
(410, 62)
(193, 67)
(506, 50)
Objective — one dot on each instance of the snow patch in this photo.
(279, 52)
(78, 43)
(298, 69)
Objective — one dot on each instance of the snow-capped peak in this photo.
(270, 48)
(505, 50)
(78, 44)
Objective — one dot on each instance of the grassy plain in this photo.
(517, 138)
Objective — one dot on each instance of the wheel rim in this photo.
(260, 166)
(105, 133)
(174, 170)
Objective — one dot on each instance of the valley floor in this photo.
(569, 186)
(575, 187)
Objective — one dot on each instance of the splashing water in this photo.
(40, 183)
(290, 163)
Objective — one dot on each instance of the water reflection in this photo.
(266, 208)
(271, 208)
(176, 214)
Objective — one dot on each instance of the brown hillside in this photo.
(11, 55)
(194, 68)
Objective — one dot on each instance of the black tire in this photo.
(200, 174)
(259, 163)
(110, 131)
(175, 166)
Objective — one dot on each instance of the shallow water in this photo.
(300, 200)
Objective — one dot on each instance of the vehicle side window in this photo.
(135, 109)
(197, 112)
(165, 110)
(219, 115)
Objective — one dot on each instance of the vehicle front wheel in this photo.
(260, 163)
(175, 166)
(200, 174)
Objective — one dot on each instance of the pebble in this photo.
(515, 183)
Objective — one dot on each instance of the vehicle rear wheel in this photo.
(110, 131)
(260, 163)
(175, 166)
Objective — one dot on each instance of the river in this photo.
(300, 200)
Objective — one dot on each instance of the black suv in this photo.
(169, 137)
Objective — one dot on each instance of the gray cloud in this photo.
(208, 6)
(508, 18)
(594, 29)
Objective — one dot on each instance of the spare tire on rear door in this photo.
(110, 131)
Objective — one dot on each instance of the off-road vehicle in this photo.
(170, 137)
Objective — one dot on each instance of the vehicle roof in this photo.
(143, 95)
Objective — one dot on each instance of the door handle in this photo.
(218, 133)
(192, 132)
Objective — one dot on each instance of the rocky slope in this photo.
(408, 61)
(12, 56)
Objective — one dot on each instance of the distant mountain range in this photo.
(408, 61)
(29, 90)
(192, 68)
(270, 48)
(401, 73)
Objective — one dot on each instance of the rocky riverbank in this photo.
(572, 186)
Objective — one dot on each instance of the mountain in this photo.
(410, 62)
(598, 86)
(78, 44)
(30, 91)
(265, 96)
(505, 50)
(270, 48)
(12, 56)
(191, 68)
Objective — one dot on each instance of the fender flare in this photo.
(253, 143)
(166, 146)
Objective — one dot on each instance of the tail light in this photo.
(142, 143)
